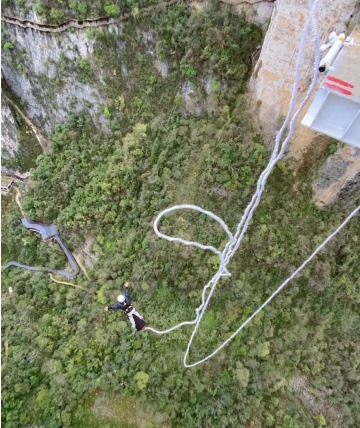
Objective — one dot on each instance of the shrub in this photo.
(107, 112)
(39, 9)
(57, 15)
(142, 379)
(112, 9)
(7, 46)
(187, 71)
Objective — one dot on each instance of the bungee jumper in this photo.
(124, 303)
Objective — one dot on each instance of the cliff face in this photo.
(272, 81)
(46, 71)
(10, 135)
(53, 74)
(258, 11)
(19, 144)
(339, 176)
(273, 75)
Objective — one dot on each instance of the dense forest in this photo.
(68, 363)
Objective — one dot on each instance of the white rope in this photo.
(277, 291)
(235, 241)
(192, 243)
(212, 283)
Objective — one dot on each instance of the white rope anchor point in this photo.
(235, 241)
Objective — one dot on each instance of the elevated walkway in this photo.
(48, 232)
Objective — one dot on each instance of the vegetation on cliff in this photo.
(67, 363)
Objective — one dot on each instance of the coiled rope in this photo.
(234, 241)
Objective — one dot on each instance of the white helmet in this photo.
(121, 298)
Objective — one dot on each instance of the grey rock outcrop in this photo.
(258, 11)
(273, 76)
(48, 80)
(10, 134)
(46, 74)
(339, 174)
(272, 81)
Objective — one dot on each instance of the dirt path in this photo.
(40, 138)
(81, 266)
(17, 200)
(65, 283)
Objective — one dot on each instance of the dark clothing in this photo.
(139, 323)
(134, 317)
(124, 305)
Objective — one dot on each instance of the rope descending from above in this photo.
(223, 271)
(235, 241)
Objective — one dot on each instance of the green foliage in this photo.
(115, 124)
(78, 350)
(187, 71)
(112, 9)
(107, 112)
(321, 419)
(57, 15)
(135, 12)
(179, 100)
(131, 4)
(120, 103)
(139, 57)
(142, 379)
(214, 85)
(332, 148)
(39, 9)
(20, 68)
(217, 41)
(101, 297)
(7, 46)
(242, 375)
(263, 349)
(84, 65)
(90, 33)
(68, 363)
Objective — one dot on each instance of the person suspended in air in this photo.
(124, 303)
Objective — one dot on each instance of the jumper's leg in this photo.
(132, 321)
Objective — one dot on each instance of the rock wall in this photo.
(54, 74)
(38, 65)
(272, 80)
(10, 134)
(273, 76)
(44, 70)
(258, 11)
(20, 145)
(339, 175)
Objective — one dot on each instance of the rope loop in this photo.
(235, 241)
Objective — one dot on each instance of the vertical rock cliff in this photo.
(10, 135)
(47, 72)
(273, 76)
(55, 73)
